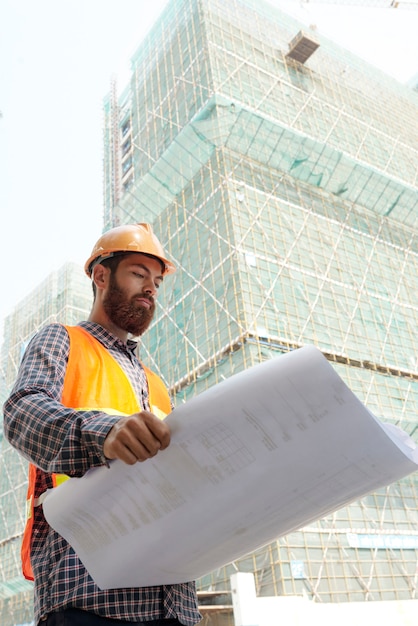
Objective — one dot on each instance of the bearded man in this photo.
(81, 399)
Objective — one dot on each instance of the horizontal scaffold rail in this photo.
(282, 345)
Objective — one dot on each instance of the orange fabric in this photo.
(93, 380)
(27, 535)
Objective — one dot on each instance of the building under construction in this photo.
(281, 174)
(64, 296)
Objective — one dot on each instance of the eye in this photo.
(138, 274)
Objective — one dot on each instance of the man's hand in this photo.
(136, 437)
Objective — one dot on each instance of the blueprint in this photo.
(261, 454)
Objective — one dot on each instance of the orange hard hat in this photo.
(128, 238)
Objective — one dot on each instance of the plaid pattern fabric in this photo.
(61, 440)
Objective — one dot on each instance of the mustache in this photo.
(145, 296)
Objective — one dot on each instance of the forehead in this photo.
(152, 264)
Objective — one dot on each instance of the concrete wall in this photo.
(249, 610)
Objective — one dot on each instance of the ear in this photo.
(100, 276)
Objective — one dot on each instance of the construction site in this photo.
(280, 171)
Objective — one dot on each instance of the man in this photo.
(82, 398)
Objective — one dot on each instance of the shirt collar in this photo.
(106, 338)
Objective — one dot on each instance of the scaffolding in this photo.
(64, 296)
(286, 193)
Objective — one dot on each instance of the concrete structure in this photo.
(251, 610)
(281, 173)
(64, 296)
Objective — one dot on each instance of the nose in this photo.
(150, 288)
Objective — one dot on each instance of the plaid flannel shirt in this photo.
(59, 439)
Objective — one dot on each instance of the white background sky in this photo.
(56, 61)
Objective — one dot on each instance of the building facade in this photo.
(64, 296)
(281, 173)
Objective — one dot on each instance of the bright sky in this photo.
(56, 62)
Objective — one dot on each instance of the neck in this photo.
(100, 317)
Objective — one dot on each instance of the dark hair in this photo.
(112, 263)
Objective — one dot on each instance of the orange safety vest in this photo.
(93, 380)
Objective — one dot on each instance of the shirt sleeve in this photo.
(48, 434)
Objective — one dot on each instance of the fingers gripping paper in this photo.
(261, 454)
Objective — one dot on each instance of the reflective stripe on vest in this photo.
(93, 379)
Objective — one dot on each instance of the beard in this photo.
(125, 312)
